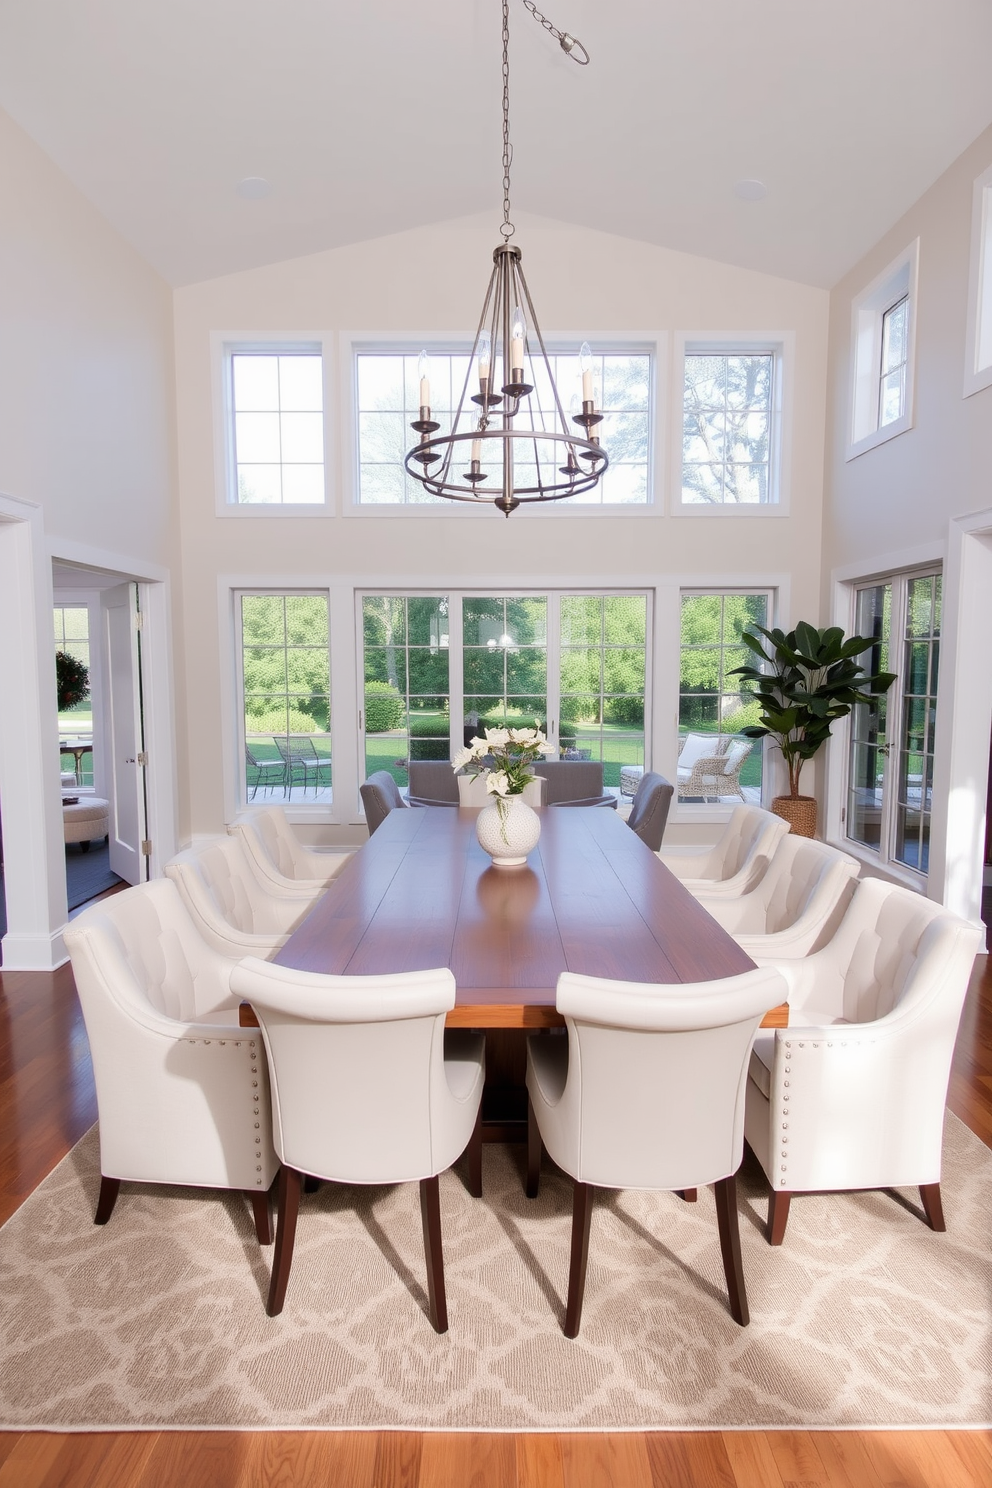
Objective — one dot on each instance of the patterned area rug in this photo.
(863, 1318)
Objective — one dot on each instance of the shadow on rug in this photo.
(863, 1318)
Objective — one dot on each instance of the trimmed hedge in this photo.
(383, 708)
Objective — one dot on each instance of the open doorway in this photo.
(96, 620)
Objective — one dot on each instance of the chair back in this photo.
(472, 791)
(573, 782)
(649, 812)
(268, 839)
(380, 796)
(896, 950)
(433, 783)
(656, 1076)
(356, 1066)
(748, 844)
(139, 949)
(217, 882)
(802, 875)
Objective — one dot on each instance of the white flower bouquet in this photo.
(505, 757)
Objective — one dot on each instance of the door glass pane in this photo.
(869, 742)
(919, 685)
(406, 682)
(286, 696)
(505, 662)
(711, 699)
(603, 672)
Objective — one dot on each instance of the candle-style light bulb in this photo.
(485, 356)
(518, 331)
(424, 371)
(476, 449)
(585, 367)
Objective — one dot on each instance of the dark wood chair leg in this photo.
(430, 1210)
(310, 1184)
(261, 1208)
(290, 1183)
(581, 1218)
(474, 1151)
(109, 1189)
(689, 1195)
(730, 1246)
(534, 1149)
(778, 1216)
(932, 1207)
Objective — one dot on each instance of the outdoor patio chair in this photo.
(300, 757)
(267, 772)
(710, 766)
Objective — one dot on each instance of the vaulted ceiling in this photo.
(380, 115)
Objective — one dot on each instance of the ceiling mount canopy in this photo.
(512, 433)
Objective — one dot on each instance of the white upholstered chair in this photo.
(182, 1091)
(737, 860)
(233, 912)
(647, 1091)
(367, 1087)
(851, 1095)
(279, 857)
(795, 908)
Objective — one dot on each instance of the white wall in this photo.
(926, 494)
(86, 468)
(430, 283)
(86, 405)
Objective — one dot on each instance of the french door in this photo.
(890, 764)
(438, 669)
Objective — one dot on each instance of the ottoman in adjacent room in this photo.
(85, 820)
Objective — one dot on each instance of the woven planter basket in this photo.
(799, 812)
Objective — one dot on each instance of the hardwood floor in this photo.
(47, 1102)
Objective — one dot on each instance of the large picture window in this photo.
(388, 398)
(440, 669)
(714, 705)
(285, 676)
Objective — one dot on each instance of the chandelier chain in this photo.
(507, 230)
(566, 42)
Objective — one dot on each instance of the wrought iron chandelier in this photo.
(525, 439)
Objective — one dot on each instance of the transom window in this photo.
(892, 373)
(727, 428)
(388, 399)
(276, 433)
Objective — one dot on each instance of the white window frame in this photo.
(223, 346)
(978, 334)
(561, 344)
(706, 811)
(782, 346)
(898, 280)
(553, 594)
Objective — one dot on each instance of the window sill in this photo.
(750, 510)
(243, 511)
(879, 436)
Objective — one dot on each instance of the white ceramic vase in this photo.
(509, 833)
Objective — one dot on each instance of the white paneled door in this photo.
(126, 765)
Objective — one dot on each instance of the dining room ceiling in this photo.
(371, 118)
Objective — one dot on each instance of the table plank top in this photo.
(592, 898)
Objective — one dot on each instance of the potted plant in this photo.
(805, 680)
(72, 680)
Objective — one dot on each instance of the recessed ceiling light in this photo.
(253, 187)
(751, 190)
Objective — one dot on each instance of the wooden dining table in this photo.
(592, 898)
